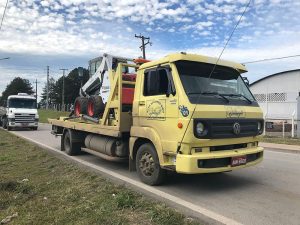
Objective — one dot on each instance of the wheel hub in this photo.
(147, 164)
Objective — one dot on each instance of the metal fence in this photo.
(281, 127)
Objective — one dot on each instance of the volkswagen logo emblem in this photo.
(236, 128)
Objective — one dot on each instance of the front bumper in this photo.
(14, 124)
(213, 162)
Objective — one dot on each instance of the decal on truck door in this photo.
(156, 110)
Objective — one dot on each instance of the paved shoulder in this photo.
(282, 147)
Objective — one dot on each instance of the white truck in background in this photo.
(20, 112)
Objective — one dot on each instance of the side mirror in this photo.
(246, 81)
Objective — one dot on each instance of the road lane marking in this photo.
(216, 218)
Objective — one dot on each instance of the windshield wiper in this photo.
(240, 95)
(209, 93)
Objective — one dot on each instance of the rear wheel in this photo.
(95, 106)
(80, 106)
(147, 165)
(69, 145)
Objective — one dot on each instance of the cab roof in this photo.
(21, 96)
(196, 58)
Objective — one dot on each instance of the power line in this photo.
(229, 38)
(3, 14)
(179, 146)
(271, 59)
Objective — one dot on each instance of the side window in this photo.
(156, 82)
(92, 68)
(98, 63)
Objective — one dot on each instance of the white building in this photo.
(277, 94)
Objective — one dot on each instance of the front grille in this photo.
(223, 128)
(24, 118)
(214, 163)
(227, 147)
(253, 157)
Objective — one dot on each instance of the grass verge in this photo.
(38, 188)
(45, 114)
(281, 140)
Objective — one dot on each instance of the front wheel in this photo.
(147, 165)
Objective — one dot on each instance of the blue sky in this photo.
(67, 33)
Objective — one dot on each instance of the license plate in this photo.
(239, 160)
(24, 124)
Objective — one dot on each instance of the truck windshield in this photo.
(22, 103)
(225, 85)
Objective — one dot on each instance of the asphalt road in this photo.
(268, 193)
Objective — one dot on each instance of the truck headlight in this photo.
(201, 129)
(11, 115)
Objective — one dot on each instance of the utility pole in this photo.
(36, 95)
(63, 88)
(143, 46)
(47, 98)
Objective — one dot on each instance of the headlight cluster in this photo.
(201, 130)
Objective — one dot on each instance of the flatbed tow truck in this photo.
(186, 113)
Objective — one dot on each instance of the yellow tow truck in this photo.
(186, 113)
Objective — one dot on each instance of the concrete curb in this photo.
(295, 149)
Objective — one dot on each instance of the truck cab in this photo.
(201, 117)
(20, 111)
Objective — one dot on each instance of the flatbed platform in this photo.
(81, 125)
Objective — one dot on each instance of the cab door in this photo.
(158, 105)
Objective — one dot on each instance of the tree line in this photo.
(72, 84)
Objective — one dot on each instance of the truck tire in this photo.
(147, 165)
(8, 128)
(95, 106)
(80, 106)
(68, 145)
(34, 128)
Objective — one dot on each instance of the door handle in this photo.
(141, 102)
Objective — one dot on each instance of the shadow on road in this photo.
(210, 182)
(193, 183)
